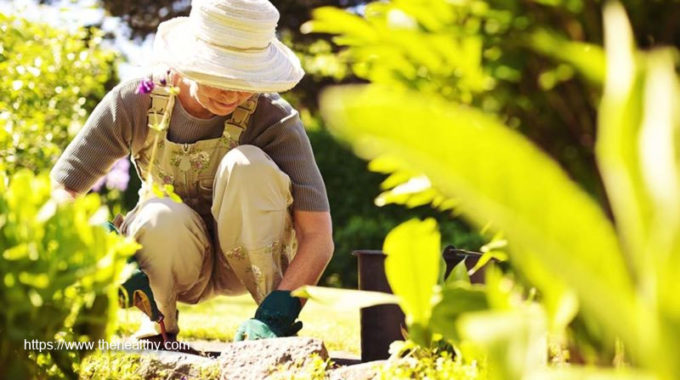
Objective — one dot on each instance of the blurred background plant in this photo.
(60, 272)
(51, 80)
(59, 268)
(534, 64)
(582, 288)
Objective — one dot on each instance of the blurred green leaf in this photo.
(514, 342)
(459, 274)
(51, 79)
(60, 275)
(588, 59)
(617, 146)
(498, 177)
(415, 245)
(344, 299)
(589, 373)
(638, 152)
(454, 301)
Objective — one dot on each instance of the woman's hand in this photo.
(61, 194)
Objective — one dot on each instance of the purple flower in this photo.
(98, 185)
(145, 87)
(117, 178)
(163, 82)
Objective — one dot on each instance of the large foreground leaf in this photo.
(638, 150)
(344, 299)
(515, 342)
(412, 267)
(499, 177)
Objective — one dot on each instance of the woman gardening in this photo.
(254, 214)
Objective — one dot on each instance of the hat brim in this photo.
(272, 69)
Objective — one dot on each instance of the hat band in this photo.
(235, 48)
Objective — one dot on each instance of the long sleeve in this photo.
(276, 128)
(106, 137)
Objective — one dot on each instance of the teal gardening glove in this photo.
(275, 317)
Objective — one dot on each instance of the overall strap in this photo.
(238, 122)
(161, 99)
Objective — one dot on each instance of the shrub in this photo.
(619, 277)
(411, 361)
(51, 79)
(59, 271)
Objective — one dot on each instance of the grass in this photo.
(219, 318)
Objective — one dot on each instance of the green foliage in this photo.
(59, 270)
(537, 65)
(113, 365)
(357, 224)
(51, 79)
(344, 299)
(414, 286)
(503, 197)
(411, 361)
(559, 239)
(311, 368)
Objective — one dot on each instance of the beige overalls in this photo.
(232, 233)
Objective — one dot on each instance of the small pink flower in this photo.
(145, 86)
(117, 178)
(99, 184)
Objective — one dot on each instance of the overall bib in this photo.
(233, 232)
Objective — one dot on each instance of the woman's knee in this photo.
(247, 171)
(163, 226)
(247, 161)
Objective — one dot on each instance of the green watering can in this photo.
(136, 291)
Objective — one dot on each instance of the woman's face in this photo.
(217, 101)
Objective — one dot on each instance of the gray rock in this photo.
(363, 371)
(174, 365)
(258, 358)
(240, 360)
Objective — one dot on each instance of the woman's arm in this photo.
(315, 249)
(62, 194)
(106, 137)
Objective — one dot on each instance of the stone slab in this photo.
(363, 371)
(238, 360)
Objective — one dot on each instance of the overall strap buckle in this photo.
(160, 101)
(238, 121)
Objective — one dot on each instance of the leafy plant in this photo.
(536, 64)
(60, 272)
(51, 79)
(311, 368)
(357, 223)
(412, 361)
(619, 276)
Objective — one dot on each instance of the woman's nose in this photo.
(231, 96)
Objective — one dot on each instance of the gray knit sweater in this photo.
(118, 127)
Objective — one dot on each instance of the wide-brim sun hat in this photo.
(229, 44)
